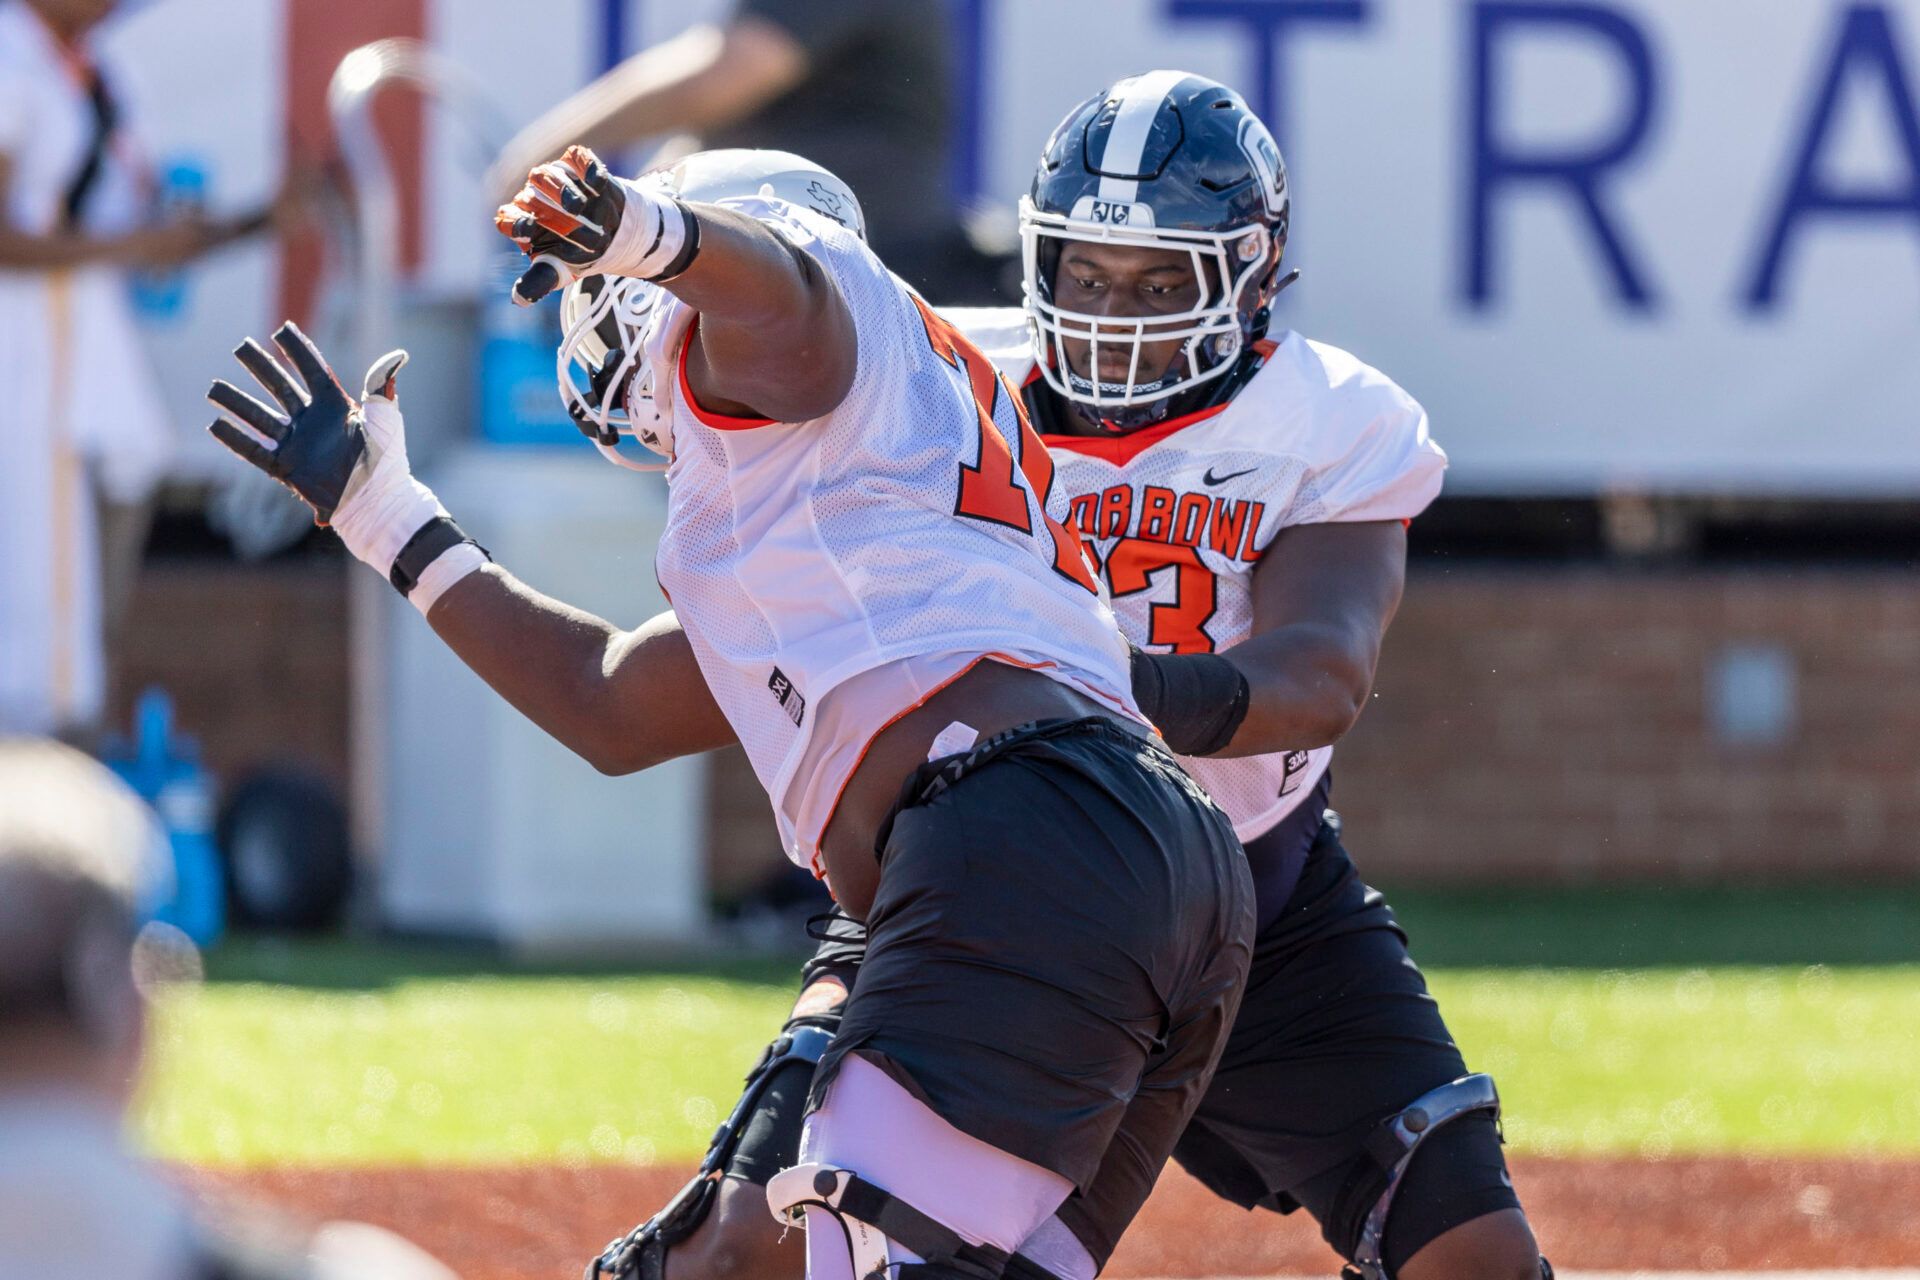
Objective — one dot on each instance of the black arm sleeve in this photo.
(1197, 700)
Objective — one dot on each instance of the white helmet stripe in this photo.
(1140, 99)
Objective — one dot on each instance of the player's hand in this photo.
(346, 460)
(565, 218)
(574, 219)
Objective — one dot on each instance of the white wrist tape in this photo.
(651, 234)
(378, 525)
(451, 565)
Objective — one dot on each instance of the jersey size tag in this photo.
(787, 696)
(952, 740)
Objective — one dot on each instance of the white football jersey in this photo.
(1178, 514)
(832, 574)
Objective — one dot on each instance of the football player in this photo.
(1244, 491)
(888, 613)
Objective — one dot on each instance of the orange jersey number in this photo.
(988, 491)
(1182, 622)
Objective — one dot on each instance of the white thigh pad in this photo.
(874, 1134)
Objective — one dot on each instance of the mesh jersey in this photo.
(1178, 514)
(903, 525)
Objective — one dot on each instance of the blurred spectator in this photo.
(863, 87)
(86, 440)
(74, 1200)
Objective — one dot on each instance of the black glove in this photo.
(565, 219)
(319, 440)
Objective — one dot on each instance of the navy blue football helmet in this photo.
(1164, 160)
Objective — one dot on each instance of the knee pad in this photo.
(1391, 1146)
(874, 1222)
(641, 1253)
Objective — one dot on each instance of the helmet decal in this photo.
(1263, 157)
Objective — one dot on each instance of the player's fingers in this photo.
(594, 176)
(580, 159)
(558, 201)
(307, 360)
(261, 364)
(566, 179)
(539, 280)
(507, 221)
(249, 449)
(549, 213)
(242, 408)
(549, 181)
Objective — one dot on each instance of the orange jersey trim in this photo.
(1121, 450)
(718, 421)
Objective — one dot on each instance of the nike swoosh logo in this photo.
(1213, 479)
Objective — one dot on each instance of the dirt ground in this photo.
(1679, 1214)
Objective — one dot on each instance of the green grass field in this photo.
(338, 1054)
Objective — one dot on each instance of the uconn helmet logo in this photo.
(1263, 157)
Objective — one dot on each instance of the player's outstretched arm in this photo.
(1323, 596)
(623, 700)
(775, 339)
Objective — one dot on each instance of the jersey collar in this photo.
(1122, 449)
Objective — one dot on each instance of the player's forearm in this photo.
(775, 334)
(1306, 686)
(563, 669)
(1290, 689)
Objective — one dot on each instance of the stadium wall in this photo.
(1590, 725)
(1586, 725)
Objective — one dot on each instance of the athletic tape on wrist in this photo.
(438, 555)
(376, 525)
(454, 564)
(657, 236)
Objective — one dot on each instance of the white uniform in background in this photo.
(833, 575)
(1179, 513)
(80, 411)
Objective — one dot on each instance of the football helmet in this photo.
(1162, 160)
(606, 380)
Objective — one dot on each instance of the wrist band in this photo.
(689, 246)
(1197, 700)
(657, 246)
(421, 555)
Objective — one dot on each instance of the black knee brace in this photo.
(1392, 1146)
(641, 1253)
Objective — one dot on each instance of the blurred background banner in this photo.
(1611, 245)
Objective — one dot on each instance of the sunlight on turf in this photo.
(584, 1070)
(480, 1071)
(1656, 1062)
